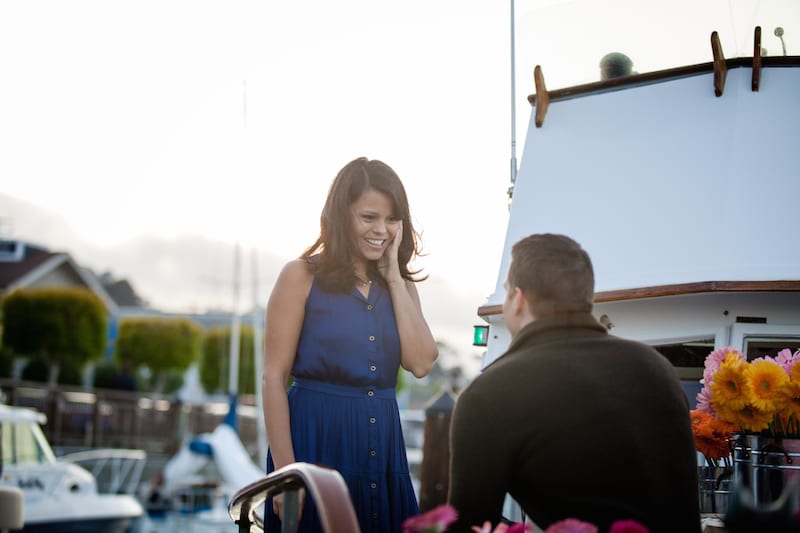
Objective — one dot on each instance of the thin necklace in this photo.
(362, 282)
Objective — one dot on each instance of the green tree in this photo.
(59, 325)
(6, 362)
(162, 345)
(104, 374)
(215, 361)
(36, 369)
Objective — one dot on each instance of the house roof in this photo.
(11, 271)
(29, 266)
(121, 292)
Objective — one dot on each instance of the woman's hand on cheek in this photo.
(388, 264)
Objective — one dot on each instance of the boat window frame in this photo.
(689, 373)
(741, 331)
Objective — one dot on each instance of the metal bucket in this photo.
(716, 487)
(766, 467)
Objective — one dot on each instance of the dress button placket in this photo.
(372, 446)
(372, 354)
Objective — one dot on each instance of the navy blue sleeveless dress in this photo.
(343, 409)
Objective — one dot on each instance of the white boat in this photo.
(59, 496)
(195, 486)
(683, 184)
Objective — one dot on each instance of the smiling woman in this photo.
(374, 224)
(341, 320)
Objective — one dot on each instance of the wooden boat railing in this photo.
(326, 486)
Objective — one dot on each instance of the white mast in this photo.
(513, 111)
(258, 366)
(233, 370)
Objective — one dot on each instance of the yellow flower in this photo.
(730, 388)
(765, 378)
(748, 417)
(788, 399)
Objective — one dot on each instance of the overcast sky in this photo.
(147, 137)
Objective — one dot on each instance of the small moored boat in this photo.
(59, 496)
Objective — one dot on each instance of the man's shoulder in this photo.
(511, 366)
(634, 348)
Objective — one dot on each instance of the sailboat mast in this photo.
(513, 110)
(233, 370)
(258, 365)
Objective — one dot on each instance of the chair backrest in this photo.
(326, 486)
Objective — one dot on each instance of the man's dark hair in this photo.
(554, 272)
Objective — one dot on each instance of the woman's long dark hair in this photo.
(333, 267)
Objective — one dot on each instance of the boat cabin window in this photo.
(19, 445)
(759, 340)
(756, 347)
(688, 358)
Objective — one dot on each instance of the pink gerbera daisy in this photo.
(786, 359)
(704, 400)
(571, 525)
(627, 526)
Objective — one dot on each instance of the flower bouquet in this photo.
(747, 421)
(761, 396)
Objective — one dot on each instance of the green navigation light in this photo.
(480, 335)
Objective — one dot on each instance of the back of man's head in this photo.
(554, 272)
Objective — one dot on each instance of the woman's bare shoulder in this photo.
(298, 267)
(296, 273)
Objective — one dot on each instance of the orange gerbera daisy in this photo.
(713, 448)
(702, 423)
(766, 378)
(706, 424)
(723, 427)
(710, 435)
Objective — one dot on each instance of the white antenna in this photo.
(244, 104)
(258, 366)
(779, 34)
(513, 112)
(233, 370)
(236, 326)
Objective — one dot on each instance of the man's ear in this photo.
(519, 302)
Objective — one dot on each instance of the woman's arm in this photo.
(418, 349)
(284, 321)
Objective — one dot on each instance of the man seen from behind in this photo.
(571, 421)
